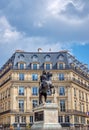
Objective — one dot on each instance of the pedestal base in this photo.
(42, 126)
(46, 117)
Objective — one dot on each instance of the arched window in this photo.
(60, 57)
(21, 56)
(34, 57)
(47, 58)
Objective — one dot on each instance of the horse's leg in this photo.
(40, 98)
(45, 96)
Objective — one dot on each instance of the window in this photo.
(82, 95)
(35, 58)
(83, 108)
(86, 97)
(62, 105)
(48, 101)
(21, 105)
(76, 119)
(80, 106)
(61, 57)
(21, 66)
(61, 66)
(17, 118)
(75, 105)
(21, 90)
(61, 76)
(79, 94)
(34, 66)
(35, 77)
(87, 108)
(34, 103)
(23, 119)
(31, 119)
(47, 66)
(74, 91)
(61, 91)
(83, 120)
(67, 119)
(47, 58)
(21, 76)
(35, 91)
(60, 119)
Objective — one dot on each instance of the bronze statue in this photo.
(45, 86)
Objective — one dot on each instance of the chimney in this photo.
(39, 50)
(19, 51)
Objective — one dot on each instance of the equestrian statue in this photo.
(45, 86)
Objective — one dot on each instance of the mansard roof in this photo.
(40, 57)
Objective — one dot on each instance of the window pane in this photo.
(17, 118)
(21, 76)
(31, 119)
(60, 66)
(60, 119)
(23, 119)
(76, 119)
(34, 66)
(21, 105)
(61, 76)
(62, 105)
(47, 66)
(21, 66)
(47, 58)
(35, 77)
(35, 91)
(34, 103)
(48, 101)
(21, 90)
(61, 91)
(67, 119)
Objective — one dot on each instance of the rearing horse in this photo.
(45, 86)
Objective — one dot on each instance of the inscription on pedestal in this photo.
(39, 116)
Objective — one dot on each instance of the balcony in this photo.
(76, 112)
(79, 83)
(4, 112)
(4, 82)
(80, 72)
(6, 71)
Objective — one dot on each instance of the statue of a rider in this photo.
(45, 86)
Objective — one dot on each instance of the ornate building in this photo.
(19, 86)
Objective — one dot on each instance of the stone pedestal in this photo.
(46, 117)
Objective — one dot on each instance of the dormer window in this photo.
(35, 66)
(47, 66)
(60, 65)
(61, 57)
(47, 58)
(21, 65)
(35, 58)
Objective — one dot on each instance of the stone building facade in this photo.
(19, 87)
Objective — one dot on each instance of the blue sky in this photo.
(57, 24)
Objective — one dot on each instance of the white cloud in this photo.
(56, 23)
(70, 11)
(8, 34)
